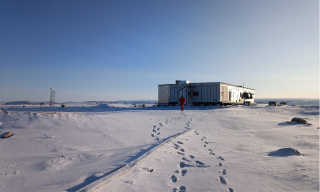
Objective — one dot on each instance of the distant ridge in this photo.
(22, 103)
(124, 101)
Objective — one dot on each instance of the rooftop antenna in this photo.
(52, 96)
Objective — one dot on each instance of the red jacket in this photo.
(182, 100)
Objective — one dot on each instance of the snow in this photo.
(96, 146)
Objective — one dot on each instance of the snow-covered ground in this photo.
(119, 147)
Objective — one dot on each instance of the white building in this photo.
(204, 93)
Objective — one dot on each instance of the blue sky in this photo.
(122, 50)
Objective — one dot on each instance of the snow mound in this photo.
(283, 152)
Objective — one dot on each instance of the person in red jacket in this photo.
(182, 101)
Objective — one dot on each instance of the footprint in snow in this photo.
(176, 145)
(222, 180)
(199, 163)
(180, 189)
(221, 158)
(224, 172)
(230, 190)
(220, 164)
(191, 156)
(152, 135)
(185, 159)
(158, 129)
(181, 165)
(182, 150)
(183, 172)
(173, 178)
(180, 153)
(158, 133)
(206, 142)
(212, 153)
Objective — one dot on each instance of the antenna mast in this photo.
(52, 96)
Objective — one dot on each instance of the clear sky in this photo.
(121, 50)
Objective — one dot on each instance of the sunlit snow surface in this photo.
(239, 148)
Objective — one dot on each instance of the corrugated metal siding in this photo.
(203, 96)
(217, 95)
(207, 94)
(175, 96)
(211, 94)
(196, 97)
(199, 94)
(163, 94)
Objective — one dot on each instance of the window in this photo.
(195, 93)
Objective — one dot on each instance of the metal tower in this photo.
(52, 96)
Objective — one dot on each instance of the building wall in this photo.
(206, 94)
(163, 94)
(202, 93)
(224, 94)
(176, 92)
(234, 94)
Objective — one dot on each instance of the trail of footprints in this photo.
(189, 161)
(156, 128)
(221, 179)
(181, 167)
(156, 131)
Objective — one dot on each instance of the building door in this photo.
(183, 92)
(230, 96)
